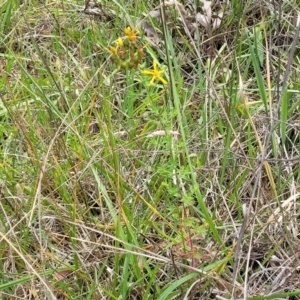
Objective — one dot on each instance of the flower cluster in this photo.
(128, 53)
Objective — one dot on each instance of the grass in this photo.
(112, 188)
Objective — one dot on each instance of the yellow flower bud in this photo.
(120, 42)
(113, 50)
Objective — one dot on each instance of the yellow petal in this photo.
(162, 80)
(147, 72)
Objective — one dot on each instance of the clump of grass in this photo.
(131, 169)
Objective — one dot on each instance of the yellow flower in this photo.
(130, 34)
(155, 73)
(119, 42)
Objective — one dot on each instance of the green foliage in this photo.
(129, 146)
